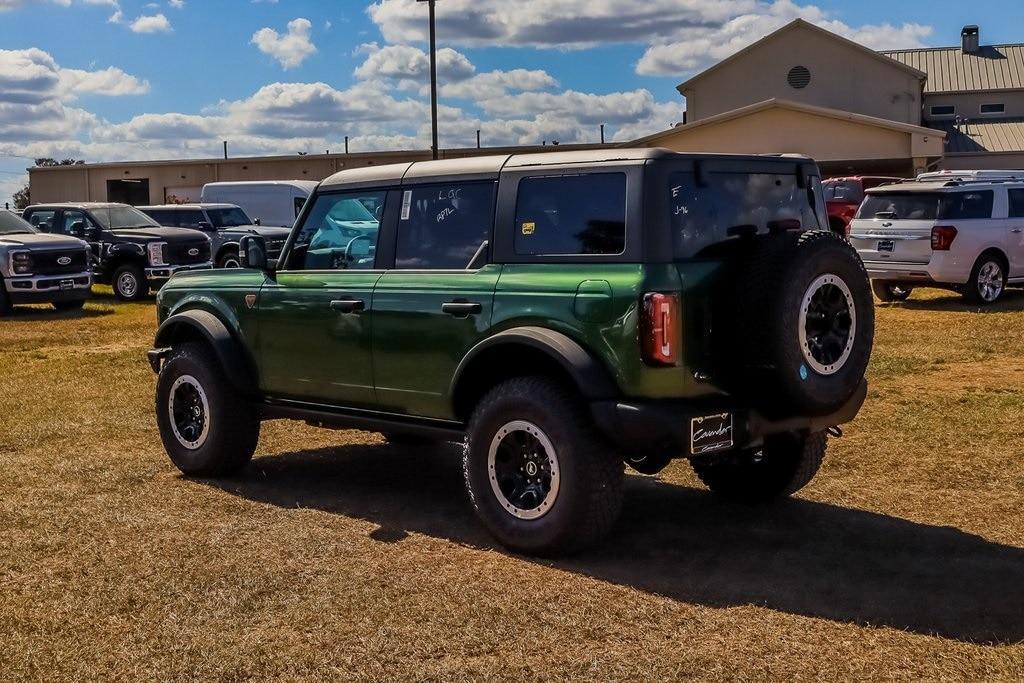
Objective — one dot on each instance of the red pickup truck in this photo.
(844, 195)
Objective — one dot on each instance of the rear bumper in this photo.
(43, 289)
(664, 426)
(944, 268)
(165, 272)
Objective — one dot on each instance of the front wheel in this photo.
(889, 292)
(539, 475)
(5, 301)
(129, 283)
(207, 429)
(988, 281)
(781, 467)
(229, 259)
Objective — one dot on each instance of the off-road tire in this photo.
(764, 359)
(589, 497)
(972, 290)
(121, 291)
(227, 257)
(233, 423)
(73, 305)
(889, 292)
(784, 465)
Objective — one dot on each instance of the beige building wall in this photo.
(843, 77)
(968, 105)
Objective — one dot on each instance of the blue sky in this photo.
(127, 79)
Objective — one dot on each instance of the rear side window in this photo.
(928, 206)
(571, 215)
(43, 220)
(442, 227)
(1016, 203)
(727, 203)
(843, 191)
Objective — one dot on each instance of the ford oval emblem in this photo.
(193, 252)
(64, 261)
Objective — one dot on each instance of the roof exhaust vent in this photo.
(971, 37)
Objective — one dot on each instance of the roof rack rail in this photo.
(971, 176)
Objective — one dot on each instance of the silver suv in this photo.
(36, 268)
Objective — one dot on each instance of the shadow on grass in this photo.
(798, 557)
(50, 313)
(1012, 300)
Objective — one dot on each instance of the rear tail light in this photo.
(942, 237)
(661, 328)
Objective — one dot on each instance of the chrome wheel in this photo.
(128, 285)
(230, 262)
(990, 281)
(522, 466)
(189, 412)
(828, 324)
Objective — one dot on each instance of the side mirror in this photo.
(78, 229)
(257, 221)
(92, 234)
(252, 252)
(203, 225)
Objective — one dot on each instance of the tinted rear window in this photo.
(928, 206)
(571, 215)
(843, 191)
(709, 213)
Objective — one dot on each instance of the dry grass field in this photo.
(338, 557)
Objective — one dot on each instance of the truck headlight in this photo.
(157, 252)
(21, 263)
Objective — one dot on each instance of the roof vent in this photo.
(799, 77)
(971, 37)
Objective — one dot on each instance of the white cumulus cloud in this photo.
(291, 48)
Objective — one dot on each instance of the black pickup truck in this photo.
(131, 252)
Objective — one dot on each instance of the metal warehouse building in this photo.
(800, 89)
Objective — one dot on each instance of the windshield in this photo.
(11, 224)
(228, 218)
(121, 217)
(843, 191)
(928, 206)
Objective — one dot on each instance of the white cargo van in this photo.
(270, 202)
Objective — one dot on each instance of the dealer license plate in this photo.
(886, 245)
(67, 284)
(711, 433)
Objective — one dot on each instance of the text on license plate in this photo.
(886, 245)
(711, 433)
(67, 284)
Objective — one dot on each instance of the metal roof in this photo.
(951, 70)
(985, 135)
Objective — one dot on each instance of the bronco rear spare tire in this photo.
(804, 323)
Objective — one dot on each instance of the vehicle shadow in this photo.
(49, 313)
(1013, 300)
(798, 557)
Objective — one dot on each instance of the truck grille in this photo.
(50, 262)
(178, 253)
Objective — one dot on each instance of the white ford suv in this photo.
(963, 230)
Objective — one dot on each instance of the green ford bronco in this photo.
(560, 314)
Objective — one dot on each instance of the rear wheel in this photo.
(129, 283)
(891, 291)
(781, 467)
(74, 305)
(988, 280)
(207, 429)
(539, 475)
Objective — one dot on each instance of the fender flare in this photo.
(234, 360)
(590, 377)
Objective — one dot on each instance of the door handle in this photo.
(349, 305)
(461, 309)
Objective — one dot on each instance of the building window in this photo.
(799, 77)
(992, 109)
(943, 110)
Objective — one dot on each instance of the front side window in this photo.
(571, 215)
(1016, 203)
(73, 223)
(190, 218)
(228, 218)
(728, 204)
(299, 203)
(442, 227)
(337, 235)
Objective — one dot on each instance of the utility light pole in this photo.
(433, 77)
